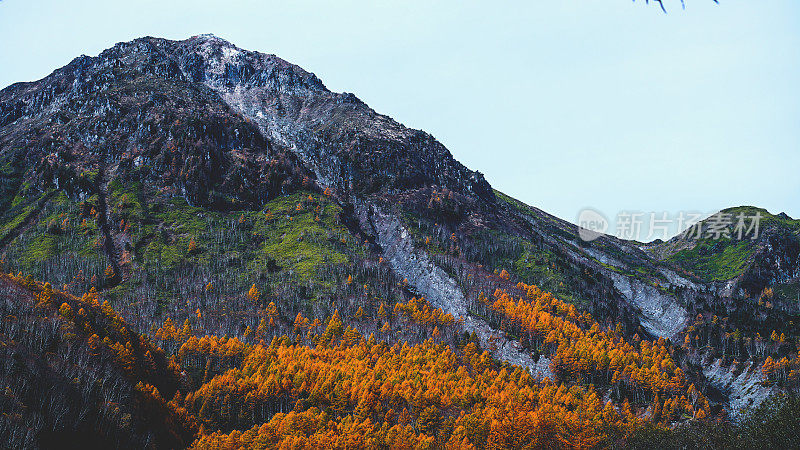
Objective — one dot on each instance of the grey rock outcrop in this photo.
(442, 291)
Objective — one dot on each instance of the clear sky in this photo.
(563, 104)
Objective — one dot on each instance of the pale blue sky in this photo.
(563, 104)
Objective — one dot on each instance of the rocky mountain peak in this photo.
(347, 145)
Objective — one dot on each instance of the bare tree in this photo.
(663, 8)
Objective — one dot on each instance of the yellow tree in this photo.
(334, 328)
(253, 294)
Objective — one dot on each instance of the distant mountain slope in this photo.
(766, 256)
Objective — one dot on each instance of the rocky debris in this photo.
(442, 291)
(743, 385)
(677, 280)
(659, 313)
(507, 350)
(603, 257)
(428, 279)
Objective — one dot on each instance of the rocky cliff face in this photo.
(349, 146)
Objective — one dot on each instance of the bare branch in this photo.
(663, 8)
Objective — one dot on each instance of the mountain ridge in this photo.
(275, 96)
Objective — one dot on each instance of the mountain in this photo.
(199, 183)
(764, 257)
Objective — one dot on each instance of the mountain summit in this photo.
(278, 107)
